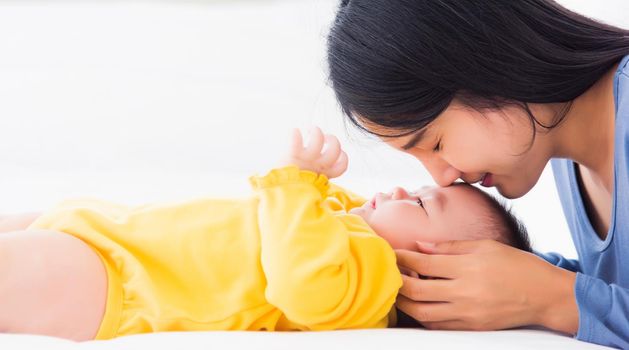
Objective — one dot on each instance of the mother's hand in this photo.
(485, 285)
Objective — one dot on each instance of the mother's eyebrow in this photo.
(415, 139)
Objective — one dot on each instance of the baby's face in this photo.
(430, 214)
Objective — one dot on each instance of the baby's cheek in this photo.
(400, 237)
(399, 225)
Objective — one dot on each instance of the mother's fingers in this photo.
(441, 266)
(452, 325)
(425, 312)
(427, 290)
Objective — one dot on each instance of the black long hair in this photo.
(399, 63)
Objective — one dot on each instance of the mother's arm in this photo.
(493, 286)
(486, 285)
(560, 261)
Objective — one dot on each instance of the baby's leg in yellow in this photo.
(51, 283)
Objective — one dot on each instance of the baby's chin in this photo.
(357, 211)
(401, 243)
(360, 211)
(365, 214)
(395, 241)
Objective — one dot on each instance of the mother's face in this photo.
(494, 148)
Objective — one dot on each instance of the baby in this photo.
(301, 254)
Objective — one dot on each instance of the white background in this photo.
(138, 101)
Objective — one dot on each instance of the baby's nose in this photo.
(399, 193)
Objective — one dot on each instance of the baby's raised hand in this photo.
(323, 154)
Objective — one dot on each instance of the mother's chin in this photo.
(511, 192)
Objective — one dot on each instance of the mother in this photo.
(490, 91)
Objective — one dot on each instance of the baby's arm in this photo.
(322, 272)
(348, 199)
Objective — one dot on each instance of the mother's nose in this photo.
(441, 171)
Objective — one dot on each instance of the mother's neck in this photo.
(587, 134)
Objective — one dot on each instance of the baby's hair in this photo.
(502, 220)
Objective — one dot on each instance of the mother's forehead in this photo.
(392, 132)
(405, 140)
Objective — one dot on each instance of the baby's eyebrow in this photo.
(414, 140)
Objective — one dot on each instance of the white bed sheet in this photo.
(355, 339)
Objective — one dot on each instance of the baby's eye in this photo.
(437, 147)
(419, 201)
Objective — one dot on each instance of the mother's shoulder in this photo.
(623, 67)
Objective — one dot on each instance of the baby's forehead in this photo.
(473, 199)
(470, 203)
(459, 189)
(460, 196)
(465, 188)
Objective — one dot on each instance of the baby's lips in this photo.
(378, 198)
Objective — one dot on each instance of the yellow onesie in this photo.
(288, 258)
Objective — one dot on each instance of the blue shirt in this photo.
(602, 283)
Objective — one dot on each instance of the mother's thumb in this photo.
(448, 247)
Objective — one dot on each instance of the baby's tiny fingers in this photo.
(297, 143)
(332, 151)
(339, 167)
(315, 144)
